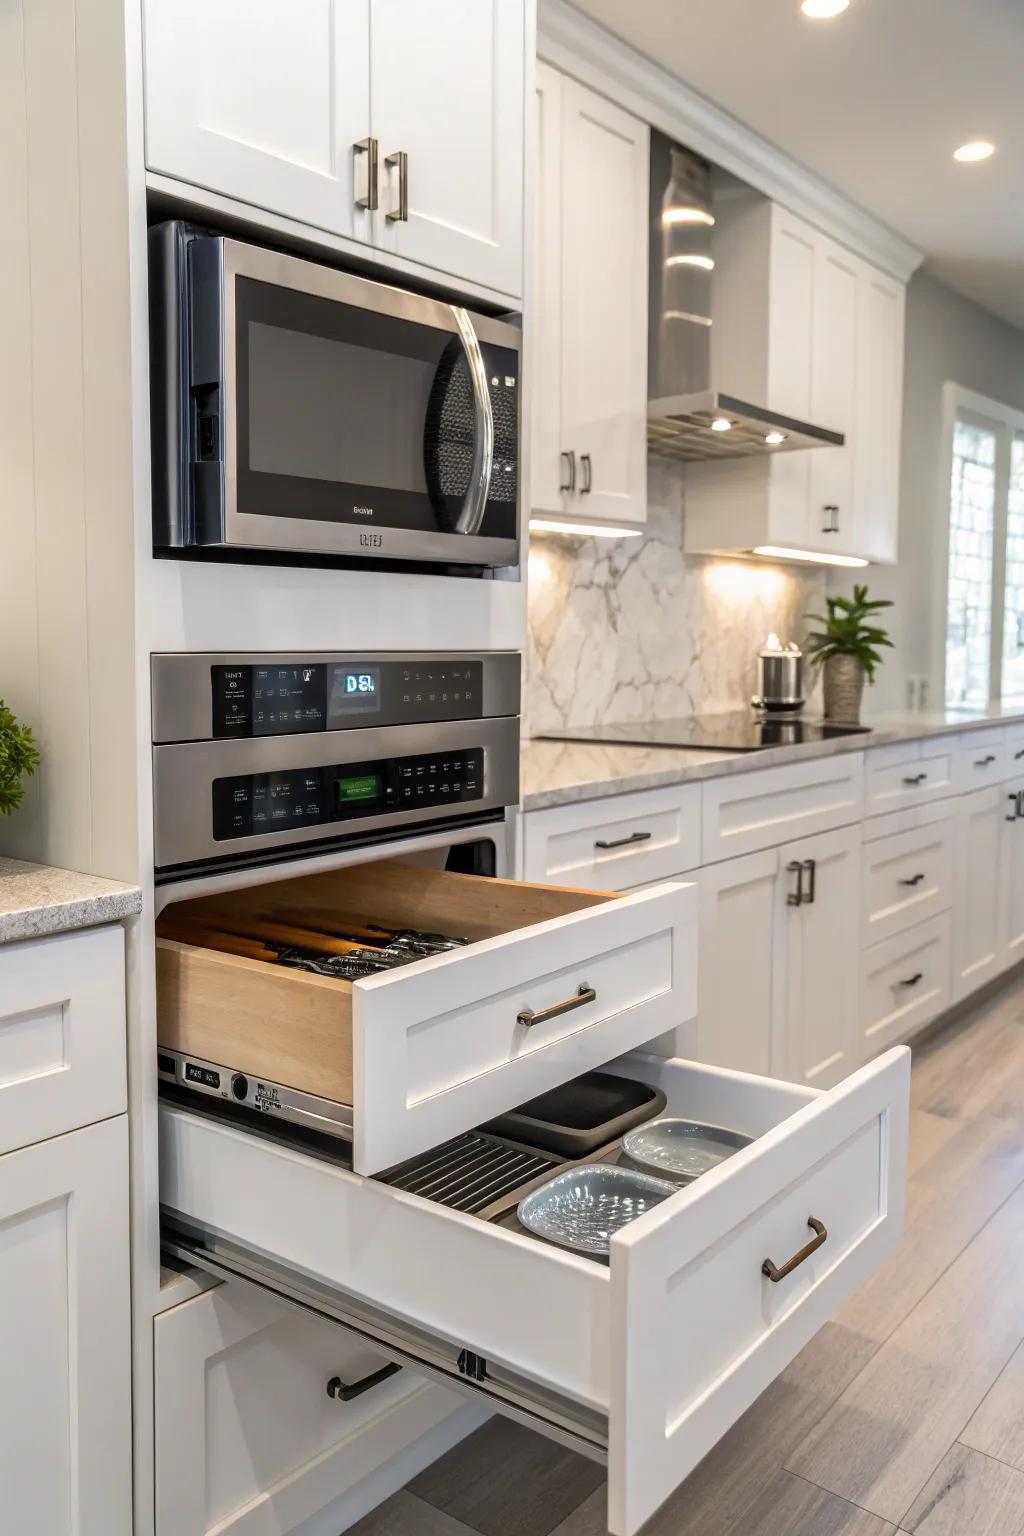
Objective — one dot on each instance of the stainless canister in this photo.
(780, 675)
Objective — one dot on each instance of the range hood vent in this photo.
(688, 418)
(681, 427)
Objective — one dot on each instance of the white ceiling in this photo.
(875, 101)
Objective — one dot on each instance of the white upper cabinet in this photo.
(816, 333)
(591, 255)
(446, 90)
(262, 102)
(291, 108)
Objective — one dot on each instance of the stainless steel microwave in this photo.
(305, 411)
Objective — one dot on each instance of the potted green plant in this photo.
(847, 650)
(19, 758)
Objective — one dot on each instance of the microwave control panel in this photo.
(246, 805)
(277, 699)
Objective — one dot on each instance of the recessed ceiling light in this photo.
(822, 10)
(977, 149)
(721, 424)
(774, 438)
(707, 262)
(686, 215)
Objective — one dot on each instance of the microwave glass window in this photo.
(347, 415)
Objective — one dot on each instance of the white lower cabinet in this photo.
(249, 1439)
(816, 1012)
(1012, 872)
(979, 924)
(905, 982)
(65, 1407)
(647, 1359)
(738, 910)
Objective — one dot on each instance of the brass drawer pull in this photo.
(528, 1017)
(624, 842)
(821, 1235)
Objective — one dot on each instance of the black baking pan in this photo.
(582, 1115)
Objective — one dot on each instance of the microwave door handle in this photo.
(472, 514)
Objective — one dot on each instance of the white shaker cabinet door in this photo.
(605, 154)
(879, 414)
(832, 515)
(65, 1393)
(262, 102)
(447, 88)
(738, 968)
(1012, 871)
(816, 1039)
(544, 301)
(979, 918)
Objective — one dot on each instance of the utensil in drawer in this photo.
(682, 1149)
(579, 1116)
(583, 1207)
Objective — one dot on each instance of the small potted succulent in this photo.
(19, 757)
(847, 650)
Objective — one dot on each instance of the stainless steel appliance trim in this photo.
(182, 684)
(533, 1405)
(472, 514)
(256, 531)
(328, 1116)
(183, 775)
(428, 846)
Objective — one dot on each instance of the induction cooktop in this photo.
(739, 731)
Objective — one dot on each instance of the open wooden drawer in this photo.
(429, 1050)
(649, 1358)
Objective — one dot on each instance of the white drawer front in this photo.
(909, 774)
(748, 811)
(438, 1047)
(982, 758)
(62, 1034)
(907, 877)
(673, 1339)
(905, 982)
(245, 1430)
(1014, 750)
(617, 843)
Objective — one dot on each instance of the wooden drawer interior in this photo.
(225, 999)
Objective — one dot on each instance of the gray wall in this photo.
(947, 337)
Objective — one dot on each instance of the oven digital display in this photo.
(354, 690)
(365, 786)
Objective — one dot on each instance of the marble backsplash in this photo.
(633, 629)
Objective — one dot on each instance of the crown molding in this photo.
(581, 48)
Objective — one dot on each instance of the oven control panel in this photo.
(275, 698)
(247, 805)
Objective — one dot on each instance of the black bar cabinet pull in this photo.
(912, 981)
(795, 898)
(346, 1391)
(983, 762)
(624, 842)
(915, 879)
(811, 866)
(915, 778)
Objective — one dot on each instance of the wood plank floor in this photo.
(904, 1415)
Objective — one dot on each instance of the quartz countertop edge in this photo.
(37, 900)
(563, 772)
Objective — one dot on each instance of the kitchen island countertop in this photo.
(37, 900)
(560, 772)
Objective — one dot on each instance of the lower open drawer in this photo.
(650, 1357)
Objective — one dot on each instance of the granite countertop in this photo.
(559, 772)
(36, 900)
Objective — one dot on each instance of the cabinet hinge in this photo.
(472, 1365)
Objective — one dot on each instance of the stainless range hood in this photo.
(682, 427)
(688, 418)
